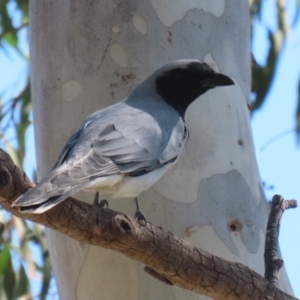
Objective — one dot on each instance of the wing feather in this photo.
(119, 148)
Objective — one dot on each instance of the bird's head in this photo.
(181, 82)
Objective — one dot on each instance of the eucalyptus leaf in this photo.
(22, 286)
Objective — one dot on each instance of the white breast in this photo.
(124, 186)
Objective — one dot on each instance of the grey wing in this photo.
(126, 148)
(119, 148)
(70, 144)
(171, 151)
(176, 144)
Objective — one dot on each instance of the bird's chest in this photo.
(125, 186)
(133, 186)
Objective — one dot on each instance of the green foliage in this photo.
(15, 280)
(15, 284)
(24, 121)
(8, 30)
(14, 113)
(15, 118)
(262, 76)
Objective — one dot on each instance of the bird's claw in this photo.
(100, 204)
(103, 203)
(140, 217)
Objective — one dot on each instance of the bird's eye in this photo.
(182, 77)
(186, 78)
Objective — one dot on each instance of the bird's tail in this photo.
(48, 193)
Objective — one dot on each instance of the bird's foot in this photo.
(100, 204)
(103, 203)
(138, 215)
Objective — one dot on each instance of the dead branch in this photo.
(172, 258)
(273, 262)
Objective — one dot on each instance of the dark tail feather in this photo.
(43, 204)
(41, 207)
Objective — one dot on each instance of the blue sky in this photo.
(279, 162)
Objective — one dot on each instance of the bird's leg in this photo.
(138, 215)
(96, 199)
(100, 204)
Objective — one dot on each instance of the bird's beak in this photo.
(217, 80)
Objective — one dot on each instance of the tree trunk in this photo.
(89, 54)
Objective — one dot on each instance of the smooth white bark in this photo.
(90, 54)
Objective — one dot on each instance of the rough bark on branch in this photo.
(178, 261)
(273, 262)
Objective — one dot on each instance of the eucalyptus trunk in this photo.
(87, 55)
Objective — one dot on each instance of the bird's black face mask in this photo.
(179, 87)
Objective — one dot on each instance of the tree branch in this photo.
(273, 262)
(170, 257)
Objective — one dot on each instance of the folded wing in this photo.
(119, 148)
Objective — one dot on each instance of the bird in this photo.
(123, 149)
